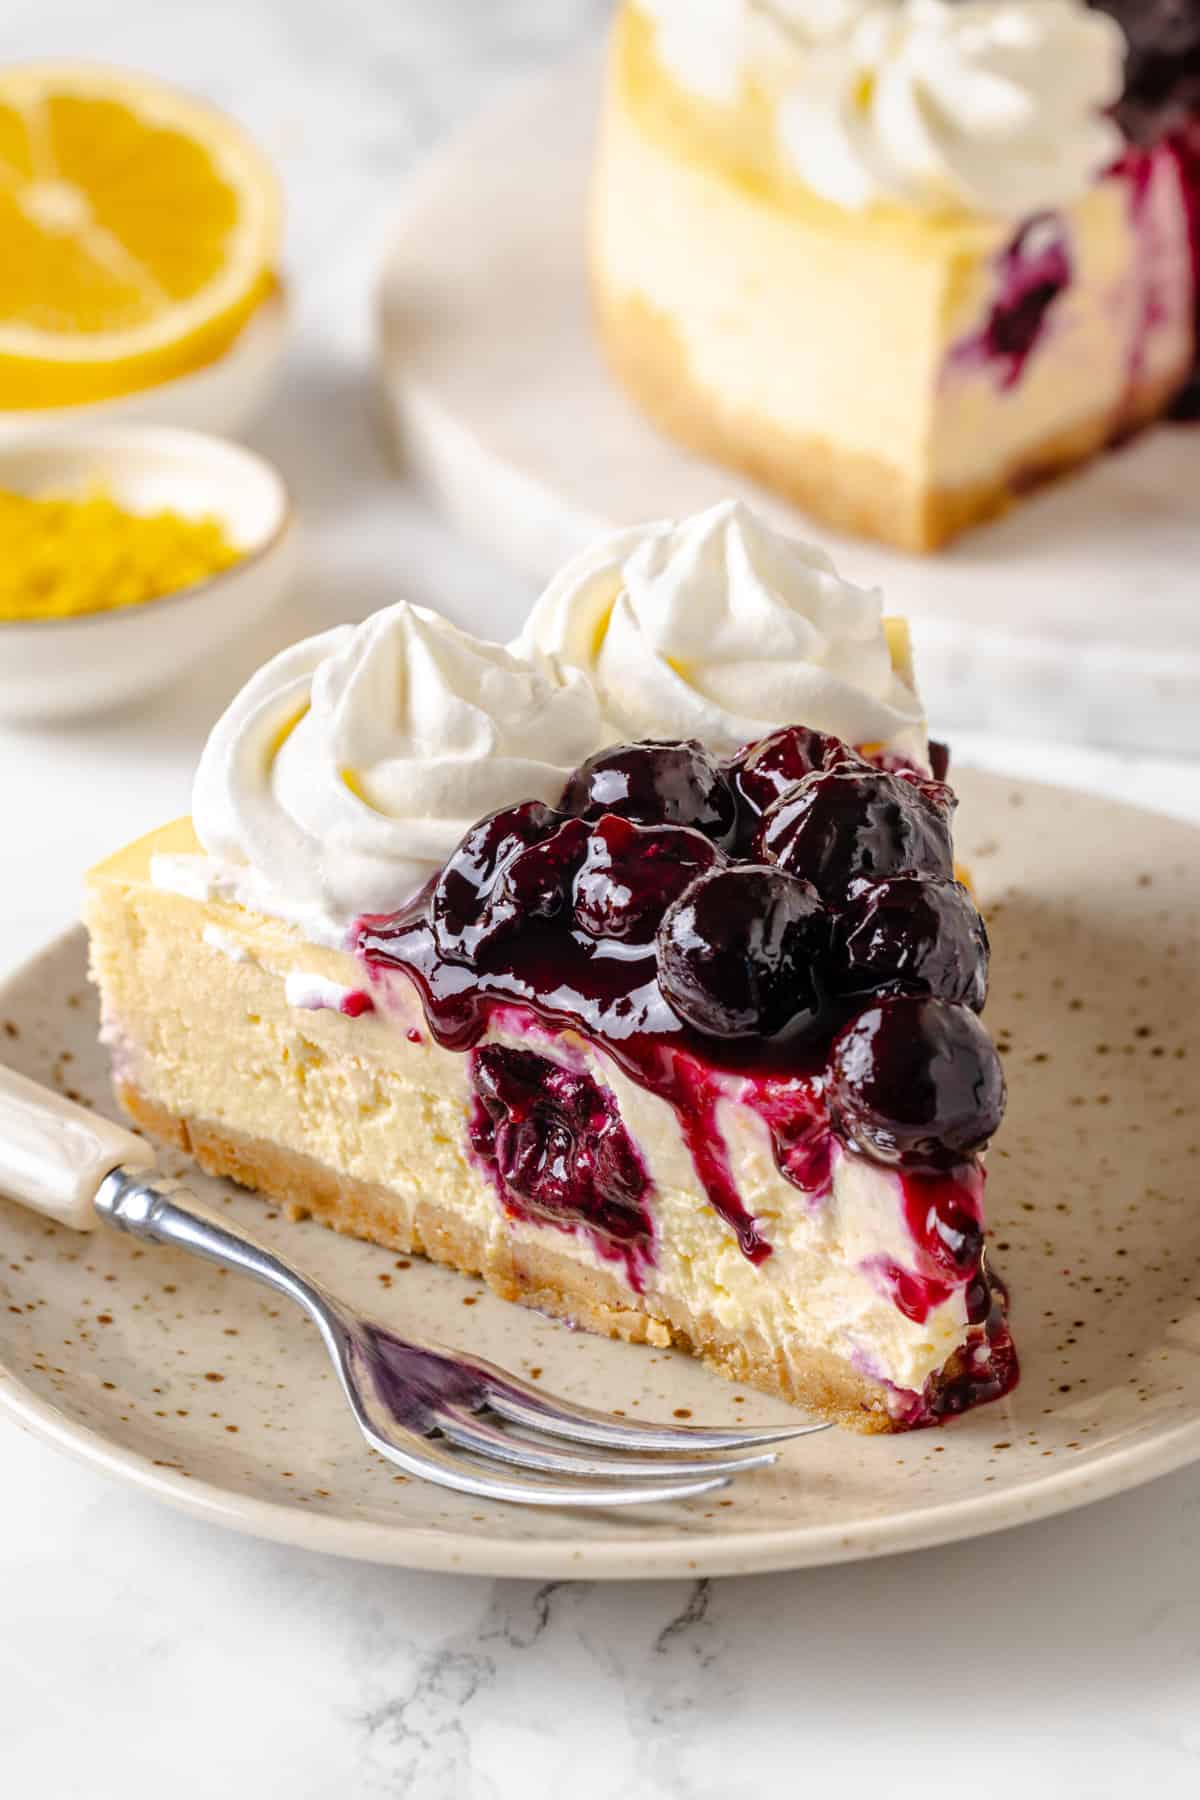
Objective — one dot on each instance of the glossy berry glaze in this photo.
(782, 931)
(554, 1143)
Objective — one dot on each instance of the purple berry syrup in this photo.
(558, 1152)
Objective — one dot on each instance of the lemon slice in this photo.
(139, 229)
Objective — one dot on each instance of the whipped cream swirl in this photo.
(989, 106)
(986, 106)
(349, 767)
(722, 629)
(709, 46)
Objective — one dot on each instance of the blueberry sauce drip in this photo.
(794, 1110)
(706, 954)
(944, 1212)
(1030, 273)
(984, 1368)
(554, 1143)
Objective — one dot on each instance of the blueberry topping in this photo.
(914, 934)
(653, 783)
(482, 895)
(742, 953)
(631, 873)
(698, 922)
(762, 771)
(535, 884)
(916, 1081)
(848, 824)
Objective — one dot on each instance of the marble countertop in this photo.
(142, 1652)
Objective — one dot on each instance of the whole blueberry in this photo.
(849, 824)
(517, 862)
(655, 783)
(631, 873)
(914, 934)
(760, 772)
(917, 1081)
(743, 953)
(535, 884)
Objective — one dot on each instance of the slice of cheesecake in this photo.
(579, 966)
(891, 261)
(623, 1060)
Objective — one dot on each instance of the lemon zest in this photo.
(63, 555)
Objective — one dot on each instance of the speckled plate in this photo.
(203, 1390)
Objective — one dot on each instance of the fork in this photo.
(439, 1414)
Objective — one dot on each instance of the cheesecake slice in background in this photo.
(898, 262)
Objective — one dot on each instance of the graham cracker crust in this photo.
(534, 1274)
(847, 489)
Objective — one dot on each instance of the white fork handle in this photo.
(54, 1154)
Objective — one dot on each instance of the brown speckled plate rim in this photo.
(732, 1553)
(1158, 1451)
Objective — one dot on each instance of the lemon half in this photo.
(139, 229)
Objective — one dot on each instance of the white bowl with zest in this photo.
(92, 662)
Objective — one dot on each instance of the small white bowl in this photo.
(221, 397)
(92, 662)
